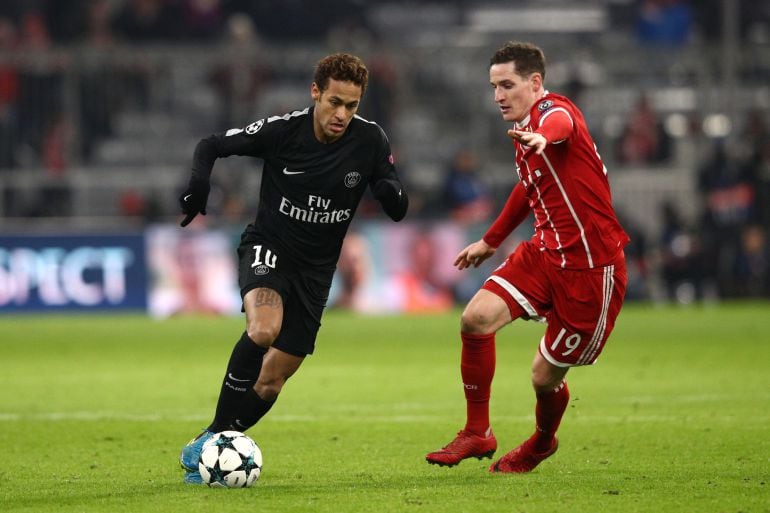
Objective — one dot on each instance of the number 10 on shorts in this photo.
(270, 257)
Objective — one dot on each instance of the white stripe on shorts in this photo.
(601, 323)
(519, 297)
(547, 355)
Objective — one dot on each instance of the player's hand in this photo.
(532, 139)
(193, 200)
(474, 255)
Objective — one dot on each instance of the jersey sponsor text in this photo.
(310, 215)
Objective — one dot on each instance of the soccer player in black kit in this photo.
(317, 164)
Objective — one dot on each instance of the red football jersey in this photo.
(566, 187)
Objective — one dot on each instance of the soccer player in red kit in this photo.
(571, 274)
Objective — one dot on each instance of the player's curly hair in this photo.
(343, 67)
(527, 57)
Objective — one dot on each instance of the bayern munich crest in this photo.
(255, 126)
(352, 179)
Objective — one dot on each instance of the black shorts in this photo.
(304, 291)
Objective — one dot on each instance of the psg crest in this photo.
(352, 179)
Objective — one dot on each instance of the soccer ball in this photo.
(230, 459)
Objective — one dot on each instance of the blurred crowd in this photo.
(725, 250)
(33, 130)
(53, 123)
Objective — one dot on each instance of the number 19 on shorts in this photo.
(570, 343)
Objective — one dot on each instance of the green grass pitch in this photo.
(675, 417)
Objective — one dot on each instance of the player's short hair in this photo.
(343, 67)
(527, 57)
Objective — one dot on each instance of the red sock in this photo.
(477, 367)
(548, 413)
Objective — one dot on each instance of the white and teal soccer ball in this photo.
(230, 459)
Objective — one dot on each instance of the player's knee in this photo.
(262, 335)
(474, 320)
(541, 384)
(544, 381)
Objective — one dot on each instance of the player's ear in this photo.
(537, 81)
(315, 91)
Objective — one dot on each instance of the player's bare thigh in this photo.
(264, 315)
(485, 313)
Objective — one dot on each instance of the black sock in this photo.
(252, 408)
(242, 372)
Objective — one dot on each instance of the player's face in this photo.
(514, 94)
(334, 108)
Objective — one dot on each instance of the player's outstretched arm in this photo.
(392, 196)
(474, 254)
(195, 197)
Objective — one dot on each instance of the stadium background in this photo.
(102, 102)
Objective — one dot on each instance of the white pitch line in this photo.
(99, 416)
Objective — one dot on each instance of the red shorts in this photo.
(579, 305)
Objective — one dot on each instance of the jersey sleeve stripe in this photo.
(557, 109)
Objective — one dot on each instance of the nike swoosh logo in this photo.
(230, 376)
(287, 172)
(185, 198)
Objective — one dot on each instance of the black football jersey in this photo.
(310, 190)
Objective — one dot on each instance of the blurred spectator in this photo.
(465, 195)
(752, 265)
(238, 81)
(418, 287)
(203, 19)
(755, 130)
(132, 204)
(757, 172)
(9, 96)
(681, 257)
(664, 22)
(753, 19)
(353, 269)
(149, 21)
(644, 140)
(298, 20)
(41, 121)
(98, 31)
(58, 140)
(98, 80)
(637, 259)
(729, 204)
(380, 100)
(349, 31)
(66, 20)
(138, 205)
